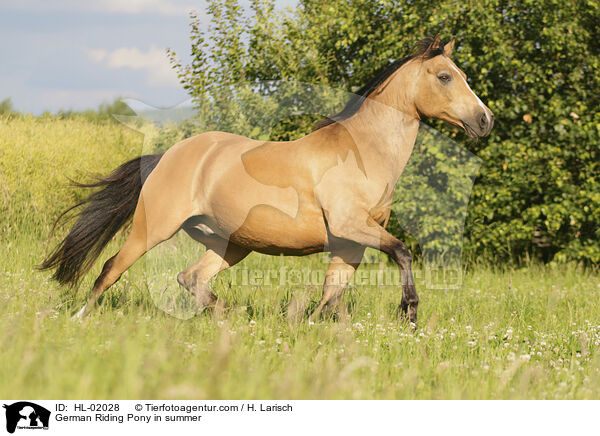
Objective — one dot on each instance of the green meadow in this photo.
(506, 333)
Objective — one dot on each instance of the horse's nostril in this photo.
(483, 120)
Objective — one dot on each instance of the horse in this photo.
(329, 191)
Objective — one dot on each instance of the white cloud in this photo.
(153, 62)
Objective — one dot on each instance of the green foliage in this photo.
(431, 198)
(6, 106)
(535, 64)
(104, 112)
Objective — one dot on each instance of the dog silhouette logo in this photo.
(26, 415)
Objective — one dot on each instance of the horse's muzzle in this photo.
(480, 125)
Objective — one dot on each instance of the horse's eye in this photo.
(444, 78)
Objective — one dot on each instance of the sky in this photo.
(68, 54)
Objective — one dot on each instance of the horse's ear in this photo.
(435, 44)
(449, 47)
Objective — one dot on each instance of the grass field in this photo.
(507, 333)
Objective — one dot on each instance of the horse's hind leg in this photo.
(344, 262)
(219, 256)
(141, 239)
(132, 250)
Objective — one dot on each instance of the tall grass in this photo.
(527, 333)
(38, 156)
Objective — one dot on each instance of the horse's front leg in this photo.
(358, 226)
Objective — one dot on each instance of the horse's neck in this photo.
(386, 132)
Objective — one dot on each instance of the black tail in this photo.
(105, 212)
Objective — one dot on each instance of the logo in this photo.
(26, 415)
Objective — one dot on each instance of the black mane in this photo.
(357, 98)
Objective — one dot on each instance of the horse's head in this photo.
(441, 91)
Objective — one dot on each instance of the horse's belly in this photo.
(269, 230)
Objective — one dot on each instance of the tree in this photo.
(6, 106)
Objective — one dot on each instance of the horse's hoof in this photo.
(406, 316)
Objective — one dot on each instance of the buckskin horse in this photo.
(328, 191)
